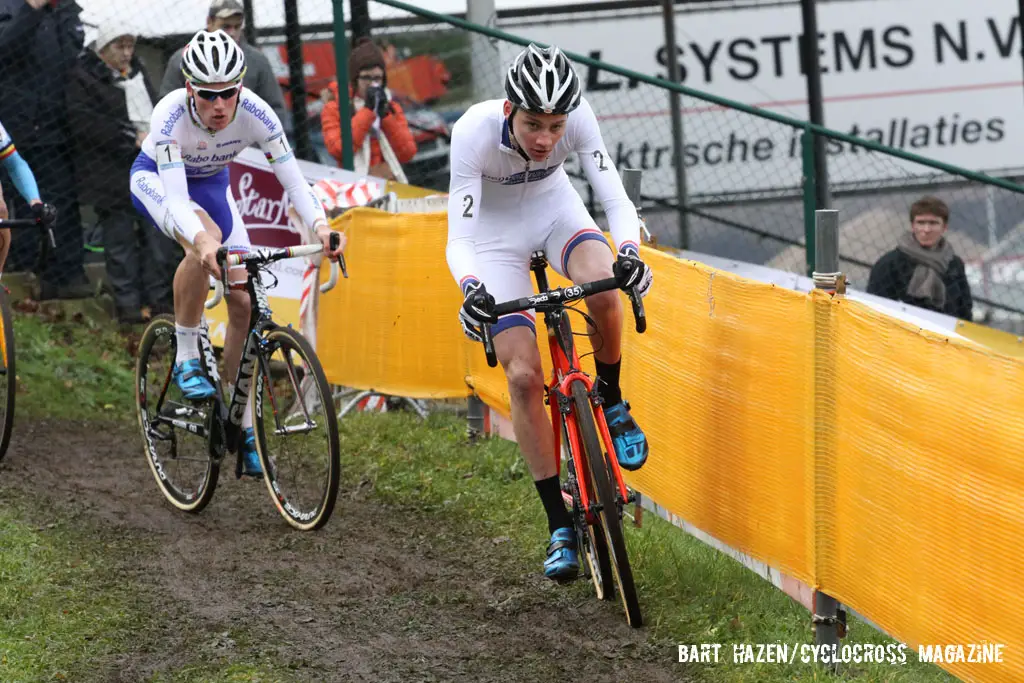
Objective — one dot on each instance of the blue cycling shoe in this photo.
(250, 459)
(631, 447)
(561, 563)
(192, 381)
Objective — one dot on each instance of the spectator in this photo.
(381, 139)
(111, 102)
(229, 16)
(923, 270)
(39, 43)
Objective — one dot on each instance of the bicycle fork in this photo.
(561, 408)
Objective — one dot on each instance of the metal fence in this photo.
(747, 174)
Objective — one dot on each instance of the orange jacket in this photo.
(393, 126)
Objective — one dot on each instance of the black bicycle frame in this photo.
(259, 320)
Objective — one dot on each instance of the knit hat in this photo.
(365, 55)
(109, 31)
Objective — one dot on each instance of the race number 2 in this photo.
(467, 206)
(599, 158)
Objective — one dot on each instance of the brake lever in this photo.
(334, 241)
(492, 358)
(639, 315)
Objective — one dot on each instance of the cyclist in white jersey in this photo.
(180, 183)
(25, 182)
(510, 196)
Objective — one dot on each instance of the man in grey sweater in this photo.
(229, 16)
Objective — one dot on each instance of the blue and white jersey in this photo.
(183, 149)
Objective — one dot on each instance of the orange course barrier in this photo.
(872, 460)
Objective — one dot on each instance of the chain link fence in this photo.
(743, 172)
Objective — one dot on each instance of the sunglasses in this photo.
(211, 95)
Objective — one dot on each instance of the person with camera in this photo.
(381, 138)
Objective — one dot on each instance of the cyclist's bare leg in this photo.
(191, 287)
(238, 324)
(517, 351)
(191, 283)
(592, 260)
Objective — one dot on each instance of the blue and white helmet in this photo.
(212, 57)
(542, 80)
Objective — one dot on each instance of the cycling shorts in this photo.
(556, 223)
(211, 194)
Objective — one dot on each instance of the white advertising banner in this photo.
(939, 78)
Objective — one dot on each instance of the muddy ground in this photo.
(380, 594)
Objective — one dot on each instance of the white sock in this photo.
(188, 343)
(247, 416)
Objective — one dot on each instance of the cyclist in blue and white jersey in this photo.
(180, 183)
(25, 181)
(510, 196)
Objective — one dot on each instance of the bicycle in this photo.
(8, 367)
(268, 367)
(593, 483)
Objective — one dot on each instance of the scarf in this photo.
(931, 264)
(361, 157)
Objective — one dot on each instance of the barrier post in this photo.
(475, 418)
(828, 618)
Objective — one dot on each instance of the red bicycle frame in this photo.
(551, 303)
(564, 373)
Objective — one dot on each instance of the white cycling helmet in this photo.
(212, 57)
(542, 80)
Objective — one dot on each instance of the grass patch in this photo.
(67, 613)
(73, 367)
(689, 592)
(59, 612)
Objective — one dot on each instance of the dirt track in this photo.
(378, 595)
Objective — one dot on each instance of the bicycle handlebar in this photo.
(555, 299)
(46, 222)
(262, 256)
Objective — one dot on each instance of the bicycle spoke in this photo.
(300, 458)
(174, 430)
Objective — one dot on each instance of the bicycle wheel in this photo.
(297, 438)
(609, 514)
(172, 428)
(589, 537)
(8, 378)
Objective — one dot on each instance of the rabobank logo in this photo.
(176, 114)
(259, 113)
(150, 191)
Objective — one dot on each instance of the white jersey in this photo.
(184, 149)
(490, 177)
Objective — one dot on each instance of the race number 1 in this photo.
(168, 155)
(277, 149)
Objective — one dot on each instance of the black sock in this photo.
(550, 491)
(608, 387)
